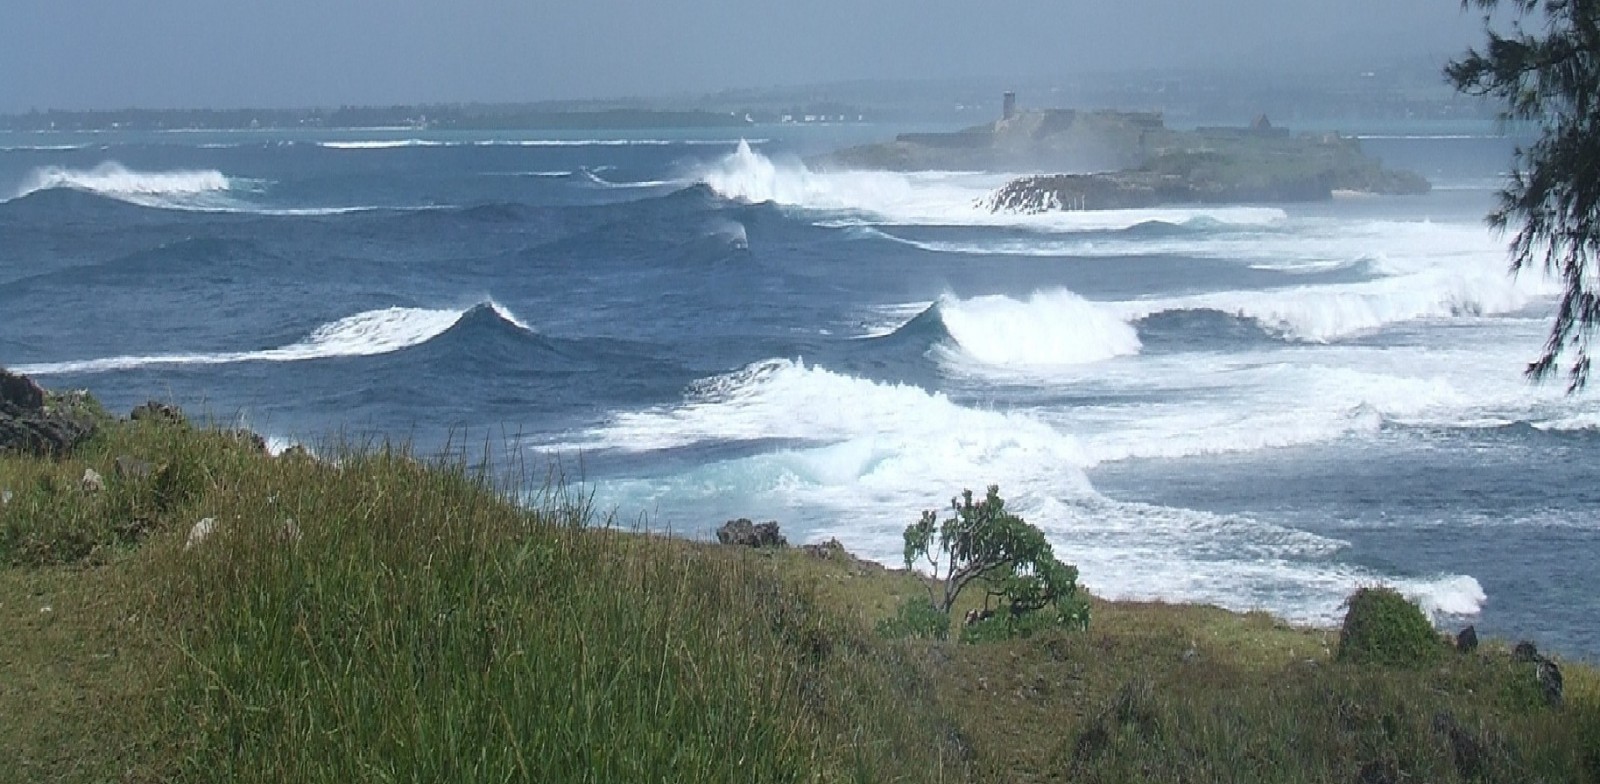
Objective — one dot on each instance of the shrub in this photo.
(983, 542)
(1383, 627)
(916, 617)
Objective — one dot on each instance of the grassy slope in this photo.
(420, 628)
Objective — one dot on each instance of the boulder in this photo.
(296, 452)
(1549, 676)
(156, 411)
(744, 533)
(1467, 640)
(830, 550)
(1525, 652)
(19, 391)
(30, 424)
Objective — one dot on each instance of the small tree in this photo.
(1550, 77)
(983, 542)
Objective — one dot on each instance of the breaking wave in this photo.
(363, 334)
(867, 198)
(180, 189)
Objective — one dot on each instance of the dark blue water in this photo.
(1260, 406)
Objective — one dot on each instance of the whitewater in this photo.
(1259, 406)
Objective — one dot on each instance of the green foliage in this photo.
(916, 617)
(983, 542)
(1551, 78)
(1383, 627)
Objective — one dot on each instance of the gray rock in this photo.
(156, 411)
(250, 439)
(1525, 652)
(1549, 676)
(830, 550)
(30, 424)
(19, 391)
(1467, 640)
(744, 533)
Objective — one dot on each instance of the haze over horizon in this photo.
(105, 54)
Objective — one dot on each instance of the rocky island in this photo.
(1122, 160)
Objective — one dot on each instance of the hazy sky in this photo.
(182, 53)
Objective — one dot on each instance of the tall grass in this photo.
(412, 625)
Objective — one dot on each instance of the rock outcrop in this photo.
(744, 533)
(33, 421)
(1050, 140)
(1124, 160)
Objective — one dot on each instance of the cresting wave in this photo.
(364, 334)
(1049, 328)
(183, 189)
(866, 198)
(854, 471)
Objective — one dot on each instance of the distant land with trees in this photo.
(1404, 92)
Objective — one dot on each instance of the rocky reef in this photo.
(1121, 160)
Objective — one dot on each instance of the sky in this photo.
(101, 54)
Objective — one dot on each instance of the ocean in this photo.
(1258, 406)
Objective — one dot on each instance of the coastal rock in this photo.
(1525, 652)
(34, 422)
(1549, 676)
(1125, 160)
(156, 411)
(92, 481)
(1467, 640)
(20, 392)
(830, 550)
(250, 439)
(296, 452)
(744, 533)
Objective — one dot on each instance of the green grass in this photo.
(414, 625)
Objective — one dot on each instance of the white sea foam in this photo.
(1301, 244)
(1332, 312)
(1586, 420)
(381, 144)
(363, 334)
(1049, 328)
(865, 198)
(860, 472)
(42, 147)
(182, 189)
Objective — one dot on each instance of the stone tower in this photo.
(1009, 105)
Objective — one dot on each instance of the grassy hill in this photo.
(372, 616)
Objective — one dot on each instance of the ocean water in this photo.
(1260, 406)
